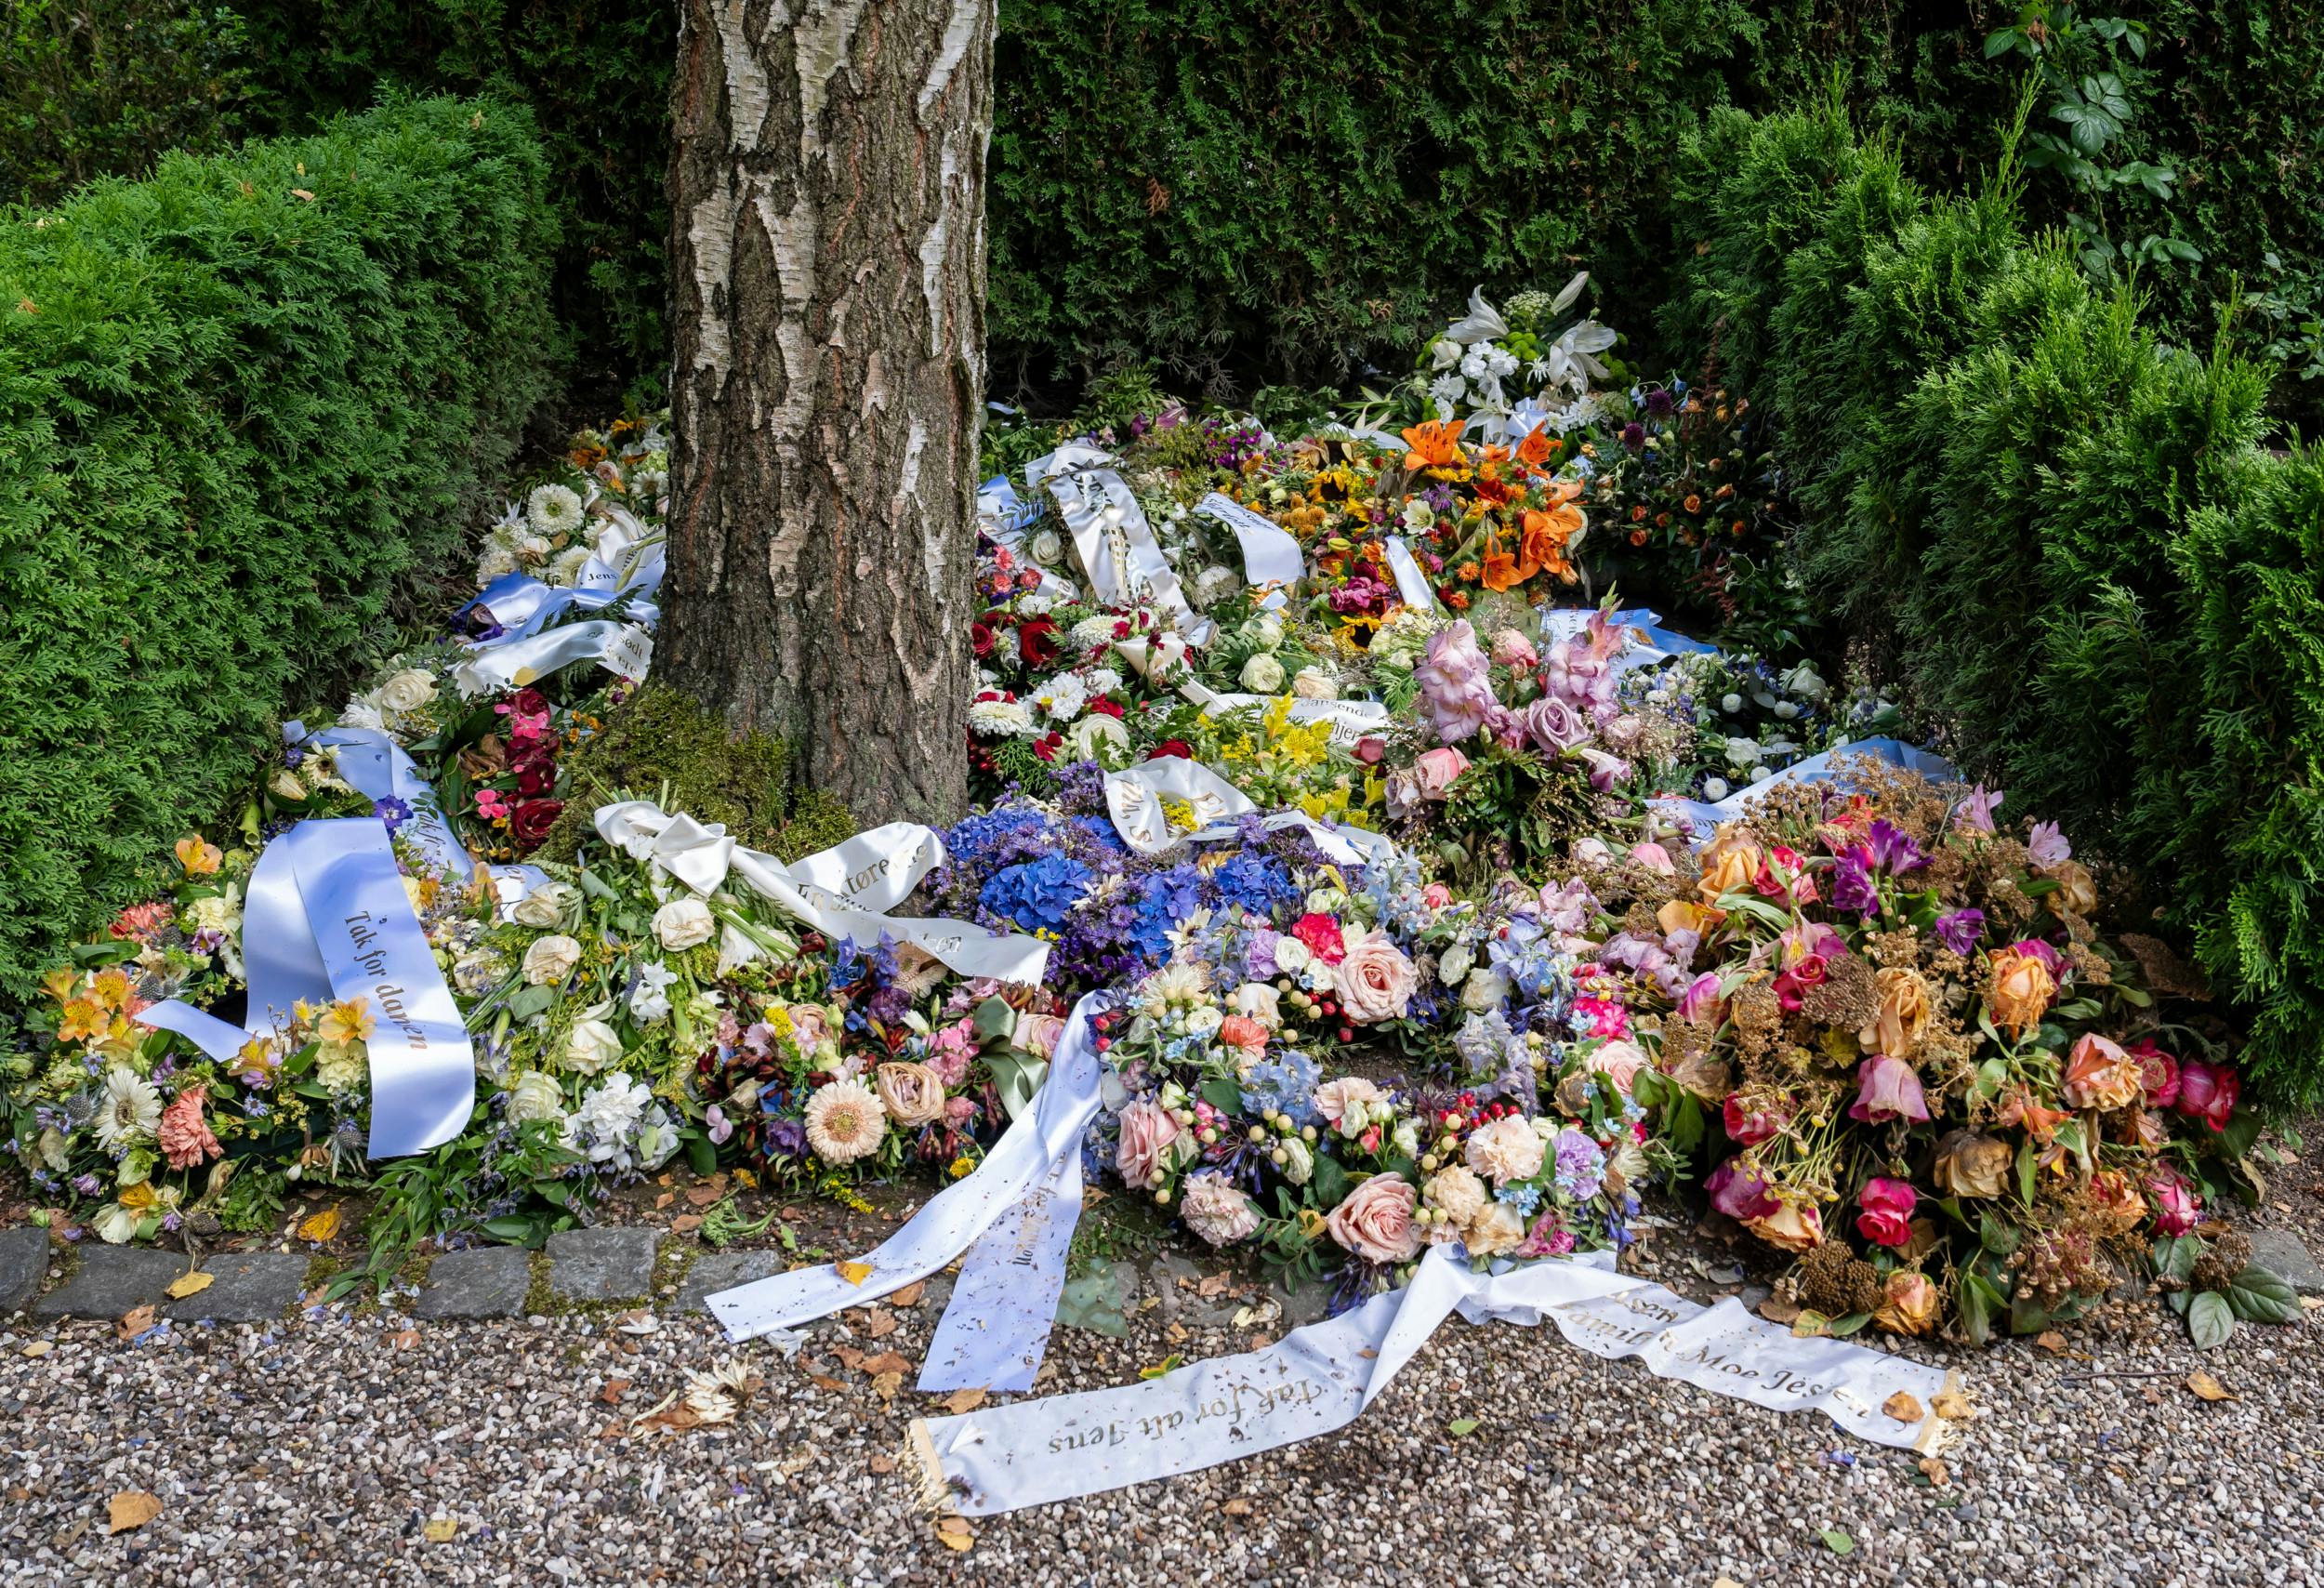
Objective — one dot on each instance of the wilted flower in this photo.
(1911, 1302)
(1739, 1192)
(2100, 1075)
(2023, 986)
(1968, 1164)
(1888, 1089)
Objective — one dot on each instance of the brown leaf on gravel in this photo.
(1238, 1506)
(663, 1200)
(885, 1386)
(685, 1223)
(136, 1321)
(1952, 1407)
(2050, 1340)
(702, 1195)
(887, 1362)
(879, 1322)
(1775, 1311)
(962, 1401)
(403, 1339)
(131, 1508)
(611, 1392)
(1934, 1471)
(190, 1284)
(849, 1358)
(2208, 1388)
(824, 1381)
(1903, 1408)
(1214, 1286)
(910, 1295)
(953, 1533)
(882, 1463)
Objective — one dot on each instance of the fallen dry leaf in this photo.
(320, 1226)
(824, 1381)
(663, 1200)
(2208, 1388)
(885, 1386)
(879, 1322)
(131, 1508)
(638, 1321)
(702, 1195)
(2050, 1340)
(887, 1362)
(685, 1223)
(1934, 1471)
(1903, 1408)
(136, 1321)
(191, 1284)
(1775, 1311)
(849, 1358)
(302, 193)
(961, 1541)
(883, 1463)
(613, 1390)
(438, 1529)
(910, 1295)
(962, 1401)
(853, 1272)
(403, 1339)
(1952, 1407)
(1214, 1286)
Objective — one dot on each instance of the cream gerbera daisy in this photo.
(130, 1110)
(845, 1122)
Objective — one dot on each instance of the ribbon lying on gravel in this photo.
(976, 1341)
(1321, 1377)
(841, 890)
(327, 916)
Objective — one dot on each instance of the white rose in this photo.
(1261, 1002)
(592, 1046)
(550, 959)
(1313, 683)
(1454, 967)
(1730, 702)
(1292, 956)
(1267, 629)
(1262, 674)
(1482, 990)
(1047, 547)
(1100, 738)
(408, 691)
(1202, 1019)
(1714, 790)
(1742, 752)
(536, 1095)
(682, 923)
(543, 905)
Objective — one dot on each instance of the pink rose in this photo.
(1511, 649)
(809, 1026)
(1554, 725)
(1436, 896)
(2177, 1209)
(1887, 1216)
(1437, 768)
(1375, 1220)
(1605, 771)
(1887, 1089)
(1653, 857)
(1794, 1227)
(1037, 1034)
(2159, 1072)
(1739, 1192)
(1350, 1102)
(1369, 750)
(1619, 1062)
(2208, 1092)
(1376, 981)
(1148, 1146)
(1701, 996)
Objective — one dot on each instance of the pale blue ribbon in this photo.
(375, 766)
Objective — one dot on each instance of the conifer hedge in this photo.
(2058, 532)
(241, 403)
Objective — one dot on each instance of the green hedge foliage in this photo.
(2053, 529)
(241, 404)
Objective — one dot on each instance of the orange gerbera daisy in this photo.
(1435, 444)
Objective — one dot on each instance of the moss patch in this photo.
(667, 746)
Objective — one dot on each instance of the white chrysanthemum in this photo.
(990, 719)
(1101, 680)
(1179, 983)
(1063, 697)
(845, 1122)
(553, 511)
(1035, 603)
(564, 569)
(1094, 633)
(498, 563)
(130, 1109)
(608, 1113)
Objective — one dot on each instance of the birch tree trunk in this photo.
(827, 263)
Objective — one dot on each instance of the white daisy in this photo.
(130, 1109)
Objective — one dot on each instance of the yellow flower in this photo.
(60, 982)
(199, 856)
(347, 1019)
(139, 1197)
(110, 989)
(1311, 1224)
(960, 1168)
(81, 1021)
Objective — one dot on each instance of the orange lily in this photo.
(1535, 449)
(1435, 444)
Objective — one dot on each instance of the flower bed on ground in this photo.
(1425, 916)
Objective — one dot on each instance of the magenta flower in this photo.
(1887, 1216)
(2208, 1093)
(1701, 995)
(1887, 1089)
(1738, 1191)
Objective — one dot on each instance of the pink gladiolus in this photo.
(1887, 1089)
(1887, 1216)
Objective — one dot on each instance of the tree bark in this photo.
(827, 269)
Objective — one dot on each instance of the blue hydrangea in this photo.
(1166, 898)
(1254, 882)
(1038, 894)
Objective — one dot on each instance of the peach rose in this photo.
(1455, 1197)
(1970, 1165)
(2100, 1075)
(2077, 893)
(913, 1094)
(1037, 1034)
(1508, 1149)
(1909, 1305)
(1902, 1019)
(1375, 1220)
(1436, 770)
(1149, 1143)
(1350, 1103)
(1730, 864)
(1619, 1062)
(1376, 980)
(2022, 989)
(1240, 1031)
(1794, 1227)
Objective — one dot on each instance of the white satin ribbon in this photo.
(622, 649)
(1323, 1375)
(377, 767)
(1411, 584)
(840, 892)
(1135, 800)
(1110, 532)
(1269, 554)
(326, 916)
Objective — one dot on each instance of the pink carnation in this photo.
(185, 1135)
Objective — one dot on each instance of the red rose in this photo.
(1036, 641)
(530, 822)
(535, 777)
(1370, 750)
(1107, 706)
(981, 638)
(1178, 747)
(531, 702)
(2208, 1092)
(1047, 745)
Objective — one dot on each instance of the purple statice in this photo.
(1580, 1165)
(1961, 929)
(1853, 889)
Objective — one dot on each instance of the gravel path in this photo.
(372, 1447)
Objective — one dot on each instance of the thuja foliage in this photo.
(241, 404)
(2053, 525)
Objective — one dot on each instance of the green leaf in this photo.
(702, 1153)
(2025, 1166)
(1851, 1324)
(2242, 1133)
(1330, 1183)
(2174, 1257)
(2263, 1295)
(2210, 1320)
(1222, 1095)
(527, 1004)
(1461, 1427)
(1837, 1542)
